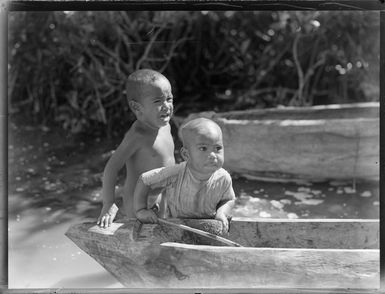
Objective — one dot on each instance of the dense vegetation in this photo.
(69, 68)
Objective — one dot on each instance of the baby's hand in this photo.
(107, 215)
(147, 216)
(225, 222)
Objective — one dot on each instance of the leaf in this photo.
(245, 46)
(89, 28)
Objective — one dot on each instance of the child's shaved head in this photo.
(138, 80)
(199, 126)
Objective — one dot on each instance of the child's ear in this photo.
(184, 153)
(135, 107)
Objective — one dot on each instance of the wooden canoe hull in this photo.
(181, 265)
(316, 143)
(152, 256)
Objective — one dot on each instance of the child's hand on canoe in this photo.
(147, 216)
(107, 215)
(225, 222)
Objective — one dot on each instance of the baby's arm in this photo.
(223, 212)
(117, 160)
(140, 203)
(156, 178)
(226, 204)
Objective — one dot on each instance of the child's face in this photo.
(205, 153)
(157, 103)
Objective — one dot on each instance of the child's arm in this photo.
(125, 150)
(227, 202)
(156, 178)
(223, 212)
(140, 203)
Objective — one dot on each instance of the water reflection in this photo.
(306, 200)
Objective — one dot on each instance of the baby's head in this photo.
(150, 97)
(202, 146)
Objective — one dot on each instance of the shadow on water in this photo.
(54, 180)
(48, 168)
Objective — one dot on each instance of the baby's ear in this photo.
(184, 153)
(134, 106)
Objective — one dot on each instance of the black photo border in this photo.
(97, 5)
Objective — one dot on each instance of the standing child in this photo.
(198, 187)
(148, 144)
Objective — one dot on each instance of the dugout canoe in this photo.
(334, 142)
(277, 253)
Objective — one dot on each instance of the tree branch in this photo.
(148, 48)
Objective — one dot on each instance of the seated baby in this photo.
(198, 187)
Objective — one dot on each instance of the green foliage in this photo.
(70, 67)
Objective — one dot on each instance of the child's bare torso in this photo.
(156, 150)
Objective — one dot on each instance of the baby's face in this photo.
(157, 103)
(205, 153)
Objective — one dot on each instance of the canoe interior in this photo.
(277, 253)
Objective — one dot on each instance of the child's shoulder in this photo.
(132, 137)
(139, 136)
(140, 131)
(135, 132)
(223, 174)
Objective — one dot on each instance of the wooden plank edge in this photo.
(303, 220)
(195, 291)
(230, 249)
